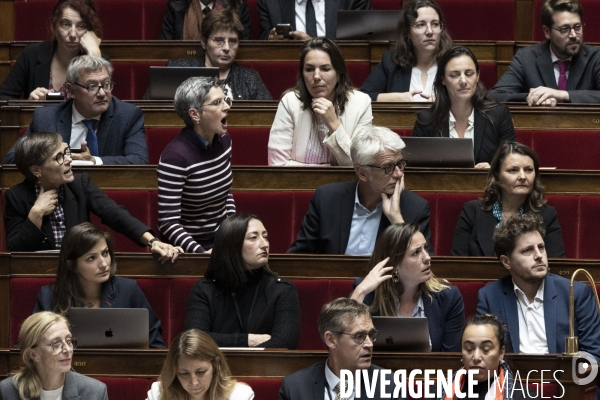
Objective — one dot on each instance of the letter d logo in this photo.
(581, 363)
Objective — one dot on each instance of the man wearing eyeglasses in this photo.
(347, 217)
(99, 128)
(347, 330)
(560, 70)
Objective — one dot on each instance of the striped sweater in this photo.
(194, 190)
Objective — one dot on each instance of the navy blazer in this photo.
(492, 127)
(475, 230)
(387, 77)
(81, 197)
(445, 313)
(76, 387)
(117, 292)
(273, 12)
(532, 67)
(326, 229)
(499, 298)
(309, 384)
(121, 137)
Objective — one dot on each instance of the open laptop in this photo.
(110, 327)
(438, 152)
(367, 24)
(164, 81)
(406, 334)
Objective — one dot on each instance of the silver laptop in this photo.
(406, 334)
(110, 327)
(367, 24)
(164, 81)
(438, 152)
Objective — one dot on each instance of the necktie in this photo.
(311, 19)
(562, 77)
(91, 138)
(336, 389)
(206, 10)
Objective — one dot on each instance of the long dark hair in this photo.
(403, 52)
(67, 291)
(343, 86)
(86, 9)
(226, 266)
(442, 103)
(493, 190)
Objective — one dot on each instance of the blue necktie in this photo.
(311, 19)
(91, 138)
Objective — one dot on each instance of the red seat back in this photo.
(313, 294)
(567, 149)
(249, 146)
(469, 291)
(449, 207)
(23, 297)
(126, 388)
(501, 26)
(158, 293)
(180, 292)
(568, 214)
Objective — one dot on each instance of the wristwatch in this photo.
(152, 241)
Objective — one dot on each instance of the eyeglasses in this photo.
(59, 345)
(220, 102)
(94, 88)
(360, 337)
(436, 26)
(220, 41)
(566, 30)
(66, 26)
(60, 157)
(389, 169)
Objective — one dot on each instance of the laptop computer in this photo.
(407, 334)
(110, 327)
(164, 81)
(438, 152)
(367, 24)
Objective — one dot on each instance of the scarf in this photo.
(192, 23)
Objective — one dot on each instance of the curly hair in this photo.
(86, 9)
(506, 235)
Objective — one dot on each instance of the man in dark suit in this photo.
(296, 13)
(560, 70)
(346, 328)
(347, 217)
(103, 129)
(533, 304)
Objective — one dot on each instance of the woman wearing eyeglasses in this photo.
(406, 72)
(462, 110)
(46, 347)
(53, 199)
(401, 283)
(86, 278)
(42, 67)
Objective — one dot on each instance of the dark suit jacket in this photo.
(121, 138)
(172, 28)
(77, 387)
(492, 127)
(475, 230)
(117, 292)
(273, 12)
(309, 384)
(326, 225)
(387, 77)
(499, 298)
(445, 313)
(81, 197)
(32, 70)
(532, 67)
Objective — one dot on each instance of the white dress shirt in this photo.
(532, 326)
(469, 133)
(79, 131)
(417, 84)
(319, 6)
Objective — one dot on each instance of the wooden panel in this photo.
(7, 23)
(524, 19)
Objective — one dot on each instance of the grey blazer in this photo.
(77, 387)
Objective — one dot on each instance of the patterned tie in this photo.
(562, 77)
(336, 389)
(311, 19)
(91, 138)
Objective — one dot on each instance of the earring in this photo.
(395, 277)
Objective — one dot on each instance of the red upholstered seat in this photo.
(157, 291)
(589, 222)
(153, 15)
(358, 71)
(488, 74)
(38, 10)
(123, 77)
(480, 26)
(432, 199)
(264, 388)
(254, 20)
(153, 213)
(568, 213)
(524, 137)
(449, 207)
(301, 203)
(158, 139)
(386, 4)
(180, 292)
(249, 146)
(403, 132)
(126, 388)
(140, 75)
(313, 294)
(591, 9)
(278, 76)
(23, 297)
(567, 149)
(469, 291)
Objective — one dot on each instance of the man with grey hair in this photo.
(347, 217)
(347, 330)
(99, 128)
(194, 171)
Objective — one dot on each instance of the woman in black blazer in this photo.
(240, 302)
(461, 108)
(513, 187)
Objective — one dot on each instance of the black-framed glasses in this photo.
(220, 41)
(94, 88)
(388, 169)
(59, 345)
(220, 102)
(565, 30)
(436, 26)
(360, 337)
(60, 157)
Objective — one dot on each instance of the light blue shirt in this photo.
(363, 231)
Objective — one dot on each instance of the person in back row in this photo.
(86, 278)
(347, 217)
